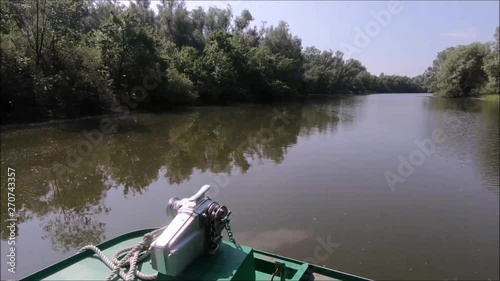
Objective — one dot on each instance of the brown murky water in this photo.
(297, 178)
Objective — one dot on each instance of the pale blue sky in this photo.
(406, 46)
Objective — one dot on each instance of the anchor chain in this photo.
(226, 221)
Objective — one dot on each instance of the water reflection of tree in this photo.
(228, 140)
(75, 206)
(69, 230)
(133, 162)
(327, 115)
(448, 104)
(141, 149)
(488, 154)
(473, 121)
(67, 205)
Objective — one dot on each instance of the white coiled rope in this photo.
(129, 257)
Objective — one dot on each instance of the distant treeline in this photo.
(68, 58)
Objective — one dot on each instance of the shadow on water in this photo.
(65, 189)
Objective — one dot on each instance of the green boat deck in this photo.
(233, 262)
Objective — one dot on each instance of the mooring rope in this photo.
(129, 257)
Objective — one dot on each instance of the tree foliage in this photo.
(74, 57)
(491, 66)
(465, 71)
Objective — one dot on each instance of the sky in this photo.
(393, 37)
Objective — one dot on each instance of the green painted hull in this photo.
(234, 262)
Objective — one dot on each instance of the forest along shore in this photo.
(64, 59)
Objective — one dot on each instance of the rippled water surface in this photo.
(295, 176)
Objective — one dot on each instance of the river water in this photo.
(383, 186)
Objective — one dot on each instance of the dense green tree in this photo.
(430, 74)
(128, 49)
(76, 57)
(461, 74)
(51, 69)
(465, 71)
(492, 66)
(280, 41)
